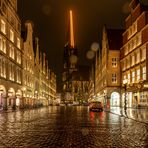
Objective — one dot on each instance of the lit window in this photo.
(114, 78)
(138, 74)
(126, 49)
(114, 62)
(3, 27)
(143, 52)
(138, 57)
(133, 60)
(128, 77)
(18, 57)
(18, 43)
(133, 76)
(138, 39)
(11, 35)
(144, 73)
(128, 62)
(2, 44)
(2, 67)
(11, 72)
(11, 51)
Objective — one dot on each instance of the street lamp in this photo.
(125, 99)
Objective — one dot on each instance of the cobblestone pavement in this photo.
(70, 127)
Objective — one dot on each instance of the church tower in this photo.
(70, 57)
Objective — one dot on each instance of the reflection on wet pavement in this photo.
(71, 126)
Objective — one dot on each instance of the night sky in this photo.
(50, 18)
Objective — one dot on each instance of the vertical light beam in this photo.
(71, 30)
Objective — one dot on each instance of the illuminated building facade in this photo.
(10, 55)
(24, 81)
(39, 82)
(134, 56)
(107, 68)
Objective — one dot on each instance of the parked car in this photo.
(96, 106)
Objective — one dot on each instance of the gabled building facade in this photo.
(107, 68)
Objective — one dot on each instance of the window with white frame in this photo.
(11, 35)
(18, 43)
(114, 78)
(144, 73)
(3, 26)
(133, 77)
(11, 51)
(138, 74)
(114, 62)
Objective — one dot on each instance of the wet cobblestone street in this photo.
(70, 127)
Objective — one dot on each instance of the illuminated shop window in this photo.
(144, 73)
(114, 78)
(138, 74)
(114, 62)
(3, 26)
(11, 35)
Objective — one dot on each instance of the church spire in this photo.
(71, 30)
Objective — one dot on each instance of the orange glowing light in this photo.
(71, 30)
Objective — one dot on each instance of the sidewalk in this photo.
(140, 115)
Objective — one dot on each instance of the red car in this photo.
(96, 106)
